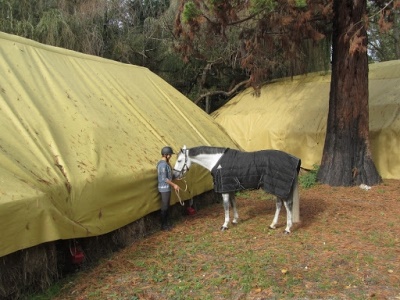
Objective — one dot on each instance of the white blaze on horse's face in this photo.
(182, 163)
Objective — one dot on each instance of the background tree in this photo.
(129, 31)
(251, 42)
(383, 37)
(347, 157)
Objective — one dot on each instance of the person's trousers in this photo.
(165, 202)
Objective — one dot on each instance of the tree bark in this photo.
(347, 158)
(396, 32)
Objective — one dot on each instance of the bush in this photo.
(309, 179)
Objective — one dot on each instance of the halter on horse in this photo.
(232, 170)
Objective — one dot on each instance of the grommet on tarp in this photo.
(77, 254)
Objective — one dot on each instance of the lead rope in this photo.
(177, 192)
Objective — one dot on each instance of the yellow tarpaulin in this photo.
(291, 115)
(79, 143)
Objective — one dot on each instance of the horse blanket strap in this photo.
(273, 170)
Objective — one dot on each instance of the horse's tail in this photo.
(296, 201)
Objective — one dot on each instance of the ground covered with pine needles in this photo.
(347, 246)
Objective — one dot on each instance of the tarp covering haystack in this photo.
(80, 139)
(291, 115)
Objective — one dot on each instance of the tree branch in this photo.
(232, 91)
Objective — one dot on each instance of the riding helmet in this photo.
(167, 150)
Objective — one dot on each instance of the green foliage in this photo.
(24, 28)
(216, 2)
(259, 5)
(243, 194)
(53, 29)
(309, 179)
(383, 41)
(190, 12)
(301, 3)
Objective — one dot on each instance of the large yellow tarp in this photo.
(79, 143)
(291, 115)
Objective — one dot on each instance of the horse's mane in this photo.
(206, 150)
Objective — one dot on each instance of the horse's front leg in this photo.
(225, 199)
(277, 211)
(232, 198)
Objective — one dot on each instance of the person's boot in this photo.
(164, 219)
(168, 221)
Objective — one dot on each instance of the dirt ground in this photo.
(347, 246)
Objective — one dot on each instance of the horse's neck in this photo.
(207, 161)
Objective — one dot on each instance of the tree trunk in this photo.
(396, 32)
(347, 157)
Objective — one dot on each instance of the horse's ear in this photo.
(184, 147)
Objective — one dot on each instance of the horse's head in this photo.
(182, 163)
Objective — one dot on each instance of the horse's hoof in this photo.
(223, 228)
(286, 232)
(234, 222)
(272, 227)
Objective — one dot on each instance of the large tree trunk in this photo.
(347, 157)
(396, 32)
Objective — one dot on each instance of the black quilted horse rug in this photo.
(272, 170)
